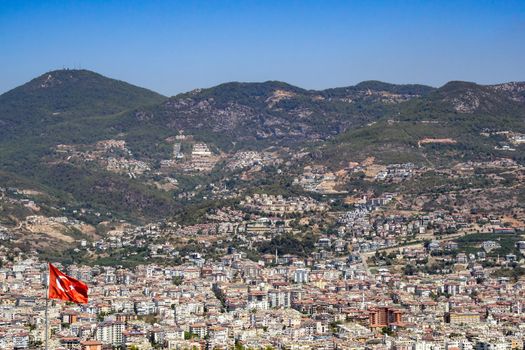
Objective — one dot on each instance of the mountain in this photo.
(262, 114)
(443, 124)
(63, 95)
(78, 137)
(68, 106)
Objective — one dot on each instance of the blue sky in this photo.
(175, 46)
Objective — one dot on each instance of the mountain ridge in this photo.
(365, 84)
(81, 110)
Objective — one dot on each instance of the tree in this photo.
(387, 331)
(409, 270)
(177, 280)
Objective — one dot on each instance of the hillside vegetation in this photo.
(78, 108)
(444, 124)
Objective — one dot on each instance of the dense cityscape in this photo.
(262, 175)
(375, 275)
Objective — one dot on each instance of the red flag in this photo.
(62, 286)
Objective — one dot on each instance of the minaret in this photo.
(276, 256)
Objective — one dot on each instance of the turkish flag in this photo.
(62, 286)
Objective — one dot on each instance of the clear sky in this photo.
(175, 46)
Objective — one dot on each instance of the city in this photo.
(262, 175)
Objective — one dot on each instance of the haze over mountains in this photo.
(76, 109)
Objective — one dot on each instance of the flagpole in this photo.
(47, 303)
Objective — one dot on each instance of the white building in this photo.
(110, 333)
(300, 276)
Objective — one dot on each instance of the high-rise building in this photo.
(300, 276)
(384, 316)
(110, 332)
